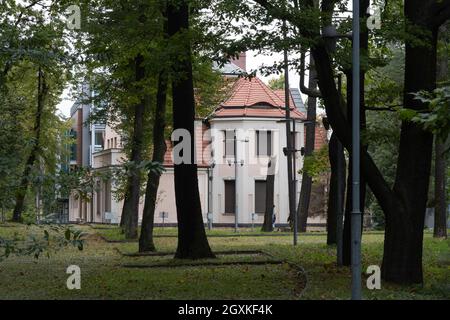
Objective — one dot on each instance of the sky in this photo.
(254, 61)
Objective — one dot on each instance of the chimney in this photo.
(241, 62)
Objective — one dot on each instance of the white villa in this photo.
(232, 181)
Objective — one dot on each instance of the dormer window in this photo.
(262, 105)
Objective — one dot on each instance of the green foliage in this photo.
(277, 83)
(31, 38)
(209, 86)
(437, 118)
(317, 164)
(52, 239)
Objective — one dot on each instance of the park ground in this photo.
(249, 265)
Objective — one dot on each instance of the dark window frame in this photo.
(228, 143)
(230, 196)
(268, 143)
(260, 199)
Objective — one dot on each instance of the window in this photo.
(73, 152)
(229, 143)
(230, 196)
(115, 142)
(73, 146)
(107, 196)
(99, 139)
(99, 200)
(263, 143)
(260, 196)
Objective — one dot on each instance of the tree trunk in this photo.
(270, 184)
(192, 241)
(159, 149)
(130, 210)
(402, 260)
(337, 190)
(23, 187)
(305, 191)
(440, 210)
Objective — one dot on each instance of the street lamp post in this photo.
(356, 211)
(289, 148)
(236, 215)
(330, 35)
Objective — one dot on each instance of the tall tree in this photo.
(310, 136)
(159, 149)
(192, 241)
(124, 78)
(440, 210)
(402, 259)
(130, 211)
(42, 90)
(404, 205)
(31, 54)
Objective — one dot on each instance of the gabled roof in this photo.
(250, 97)
(252, 91)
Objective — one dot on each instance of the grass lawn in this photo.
(104, 276)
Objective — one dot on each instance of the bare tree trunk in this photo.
(42, 91)
(337, 190)
(130, 210)
(305, 191)
(270, 184)
(402, 260)
(159, 149)
(440, 210)
(192, 241)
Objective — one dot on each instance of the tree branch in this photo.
(310, 92)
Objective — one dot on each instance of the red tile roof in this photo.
(321, 138)
(250, 97)
(280, 93)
